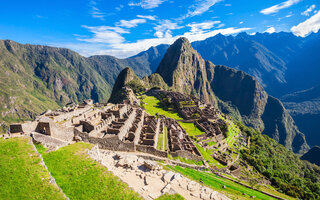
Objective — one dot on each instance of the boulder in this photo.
(150, 164)
(167, 177)
(191, 186)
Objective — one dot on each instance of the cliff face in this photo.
(183, 69)
(126, 78)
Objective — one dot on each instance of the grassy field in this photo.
(21, 174)
(234, 190)
(191, 129)
(82, 178)
(206, 154)
(152, 106)
(170, 197)
(233, 131)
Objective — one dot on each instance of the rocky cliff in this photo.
(183, 69)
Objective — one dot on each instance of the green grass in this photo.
(232, 189)
(153, 106)
(192, 162)
(21, 174)
(191, 129)
(233, 131)
(211, 143)
(82, 178)
(170, 197)
(160, 142)
(206, 154)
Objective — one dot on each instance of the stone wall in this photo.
(186, 154)
(110, 143)
(151, 150)
(62, 132)
(26, 127)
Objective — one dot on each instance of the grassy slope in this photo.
(82, 178)
(234, 190)
(21, 174)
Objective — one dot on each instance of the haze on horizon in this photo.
(125, 28)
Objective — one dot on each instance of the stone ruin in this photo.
(118, 127)
(180, 143)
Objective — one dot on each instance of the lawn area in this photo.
(233, 131)
(191, 129)
(170, 197)
(160, 142)
(152, 106)
(21, 174)
(82, 178)
(206, 154)
(234, 190)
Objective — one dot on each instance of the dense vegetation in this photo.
(82, 178)
(21, 174)
(284, 169)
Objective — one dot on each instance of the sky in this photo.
(124, 28)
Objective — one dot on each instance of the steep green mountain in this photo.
(313, 155)
(183, 69)
(126, 78)
(283, 168)
(35, 78)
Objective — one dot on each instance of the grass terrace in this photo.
(230, 188)
(83, 178)
(21, 174)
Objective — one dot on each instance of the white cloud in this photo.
(95, 11)
(280, 6)
(309, 10)
(105, 34)
(270, 30)
(150, 17)
(131, 23)
(105, 43)
(200, 8)
(164, 27)
(147, 4)
(310, 25)
(241, 22)
(200, 27)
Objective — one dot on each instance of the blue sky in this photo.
(124, 28)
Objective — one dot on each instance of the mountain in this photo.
(243, 53)
(281, 62)
(184, 70)
(313, 155)
(304, 107)
(35, 78)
